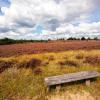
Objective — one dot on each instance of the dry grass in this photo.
(23, 76)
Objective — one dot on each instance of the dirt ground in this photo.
(69, 96)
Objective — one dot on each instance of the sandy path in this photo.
(69, 96)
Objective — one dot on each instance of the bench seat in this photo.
(61, 79)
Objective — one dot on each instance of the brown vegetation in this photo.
(79, 56)
(69, 63)
(32, 63)
(29, 64)
(38, 71)
(45, 63)
(51, 58)
(92, 60)
(5, 64)
(53, 46)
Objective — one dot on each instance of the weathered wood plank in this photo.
(60, 79)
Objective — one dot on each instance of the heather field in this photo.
(50, 42)
(43, 47)
(22, 77)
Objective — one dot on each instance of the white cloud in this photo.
(55, 16)
(81, 28)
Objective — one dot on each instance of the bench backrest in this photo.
(54, 80)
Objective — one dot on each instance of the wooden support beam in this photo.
(88, 82)
(58, 87)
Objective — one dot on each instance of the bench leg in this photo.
(58, 88)
(47, 89)
(87, 82)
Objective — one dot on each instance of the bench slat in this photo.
(54, 80)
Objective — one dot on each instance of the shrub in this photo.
(69, 63)
(5, 64)
(38, 71)
(45, 63)
(83, 38)
(51, 58)
(30, 64)
(79, 56)
(62, 63)
(92, 60)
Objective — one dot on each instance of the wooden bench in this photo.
(61, 79)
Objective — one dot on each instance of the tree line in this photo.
(6, 41)
(12, 41)
(82, 38)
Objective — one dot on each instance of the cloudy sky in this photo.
(43, 19)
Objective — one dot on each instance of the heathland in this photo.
(22, 76)
(50, 46)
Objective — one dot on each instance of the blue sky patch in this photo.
(39, 29)
(95, 15)
(4, 3)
